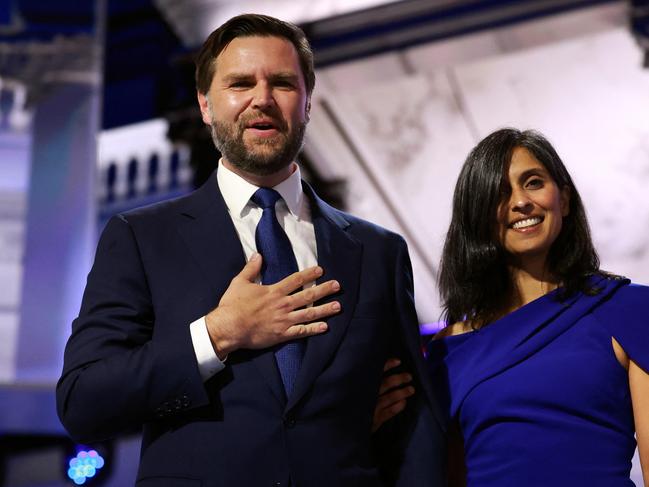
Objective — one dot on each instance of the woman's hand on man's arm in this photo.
(394, 391)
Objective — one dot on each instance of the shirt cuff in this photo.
(208, 362)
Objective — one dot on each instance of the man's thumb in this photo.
(252, 268)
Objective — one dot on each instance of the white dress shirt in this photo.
(294, 216)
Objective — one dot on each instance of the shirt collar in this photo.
(237, 191)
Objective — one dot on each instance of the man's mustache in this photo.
(276, 119)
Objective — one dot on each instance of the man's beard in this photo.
(266, 156)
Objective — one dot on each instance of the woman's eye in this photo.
(534, 183)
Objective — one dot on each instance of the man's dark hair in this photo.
(249, 25)
(474, 280)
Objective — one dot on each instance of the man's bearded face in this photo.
(257, 153)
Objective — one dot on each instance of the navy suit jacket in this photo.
(130, 363)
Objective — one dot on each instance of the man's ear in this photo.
(565, 201)
(203, 104)
(307, 109)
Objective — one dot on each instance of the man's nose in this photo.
(262, 96)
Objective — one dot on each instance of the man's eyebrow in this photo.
(237, 77)
(283, 75)
(279, 76)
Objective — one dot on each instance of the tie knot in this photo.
(265, 198)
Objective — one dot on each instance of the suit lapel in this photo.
(209, 233)
(339, 254)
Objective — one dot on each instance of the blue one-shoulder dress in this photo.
(539, 395)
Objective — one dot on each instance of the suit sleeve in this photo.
(118, 372)
(411, 446)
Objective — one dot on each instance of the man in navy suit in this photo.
(237, 380)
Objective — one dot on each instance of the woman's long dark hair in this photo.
(475, 282)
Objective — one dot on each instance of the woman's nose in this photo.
(520, 202)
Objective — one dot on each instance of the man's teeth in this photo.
(528, 222)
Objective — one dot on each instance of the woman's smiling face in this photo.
(532, 207)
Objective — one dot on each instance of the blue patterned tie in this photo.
(278, 262)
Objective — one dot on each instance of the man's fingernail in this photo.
(255, 256)
(323, 327)
(318, 271)
(408, 377)
(335, 306)
(335, 285)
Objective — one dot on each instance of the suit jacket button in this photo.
(289, 421)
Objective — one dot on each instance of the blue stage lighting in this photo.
(84, 466)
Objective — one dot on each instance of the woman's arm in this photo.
(639, 385)
(393, 394)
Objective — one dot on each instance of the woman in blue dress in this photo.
(543, 370)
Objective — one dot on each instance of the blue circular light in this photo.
(84, 466)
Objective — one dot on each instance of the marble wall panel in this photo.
(357, 75)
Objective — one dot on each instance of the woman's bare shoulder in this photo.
(458, 328)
